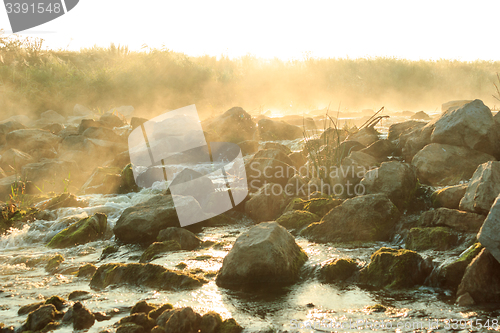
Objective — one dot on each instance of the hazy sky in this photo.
(285, 29)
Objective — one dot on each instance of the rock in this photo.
(453, 105)
(267, 204)
(470, 126)
(7, 127)
(79, 295)
(51, 116)
(87, 123)
(142, 223)
(264, 256)
(364, 218)
(140, 319)
(380, 149)
(43, 316)
(157, 248)
(395, 130)
(455, 219)
(210, 322)
(27, 140)
(338, 270)
(102, 133)
(363, 160)
(482, 279)
(483, 189)
(49, 175)
(144, 275)
(449, 197)
(278, 146)
(100, 181)
(143, 307)
(297, 219)
(413, 140)
(86, 230)
(441, 164)
(234, 125)
(420, 115)
(183, 320)
(111, 120)
(451, 274)
(56, 301)
(130, 328)
(268, 166)
(53, 263)
(434, 238)
(14, 160)
(270, 130)
(489, 233)
(303, 122)
(62, 201)
(54, 128)
(365, 136)
(394, 269)
(154, 314)
(186, 239)
(317, 206)
(83, 318)
(395, 179)
(465, 300)
(82, 111)
(29, 308)
(86, 270)
(248, 147)
(230, 326)
(298, 160)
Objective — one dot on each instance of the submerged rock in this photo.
(441, 164)
(394, 269)
(436, 238)
(365, 218)
(157, 248)
(144, 275)
(86, 230)
(483, 189)
(264, 256)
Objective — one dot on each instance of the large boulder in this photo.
(49, 175)
(369, 217)
(365, 136)
(395, 179)
(142, 223)
(451, 273)
(8, 126)
(413, 140)
(264, 256)
(481, 279)
(84, 231)
(278, 130)
(471, 126)
(186, 239)
(143, 275)
(267, 204)
(449, 197)
(395, 130)
(441, 164)
(394, 269)
(453, 105)
(455, 219)
(40, 318)
(380, 149)
(483, 189)
(31, 139)
(235, 125)
(435, 238)
(297, 219)
(269, 166)
(338, 270)
(489, 235)
(183, 320)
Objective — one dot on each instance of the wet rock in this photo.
(54, 263)
(465, 300)
(483, 189)
(455, 219)
(41, 317)
(421, 115)
(230, 326)
(490, 230)
(234, 125)
(140, 319)
(338, 270)
(14, 160)
(186, 239)
(144, 275)
(451, 274)
(395, 130)
(471, 126)
(56, 301)
(111, 120)
(380, 149)
(79, 295)
(86, 270)
(210, 322)
(482, 279)
(25, 309)
(142, 307)
(365, 218)
(159, 247)
(365, 136)
(130, 328)
(269, 166)
(270, 130)
(266, 205)
(109, 250)
(127, 180)
(82, 318)
(449, 197)
(264, 256)
(82, 232)
(142, 223)
(183, 320)
(157, 312)
(27, 140)
(395, 179)
(394, 269)
(297, 219)
(441, 164)
(62, 201)
(435, 238)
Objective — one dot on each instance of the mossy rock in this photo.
(84, 231)
(86, 270)
(394, 269)
(108, 250)
(338, 270)
(297, 219)
(144, 275)
(451, 275)
(142, 307)
(229, 326)
(54, 263)
(154, 314)
(435, 238)
(159, 247)
(128, 181)
(321, 206)
(25, 309)
(56, 301)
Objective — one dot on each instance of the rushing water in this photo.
(308, 302)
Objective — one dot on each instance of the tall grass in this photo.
(33, 79)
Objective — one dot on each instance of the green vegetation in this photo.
(35, 79)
